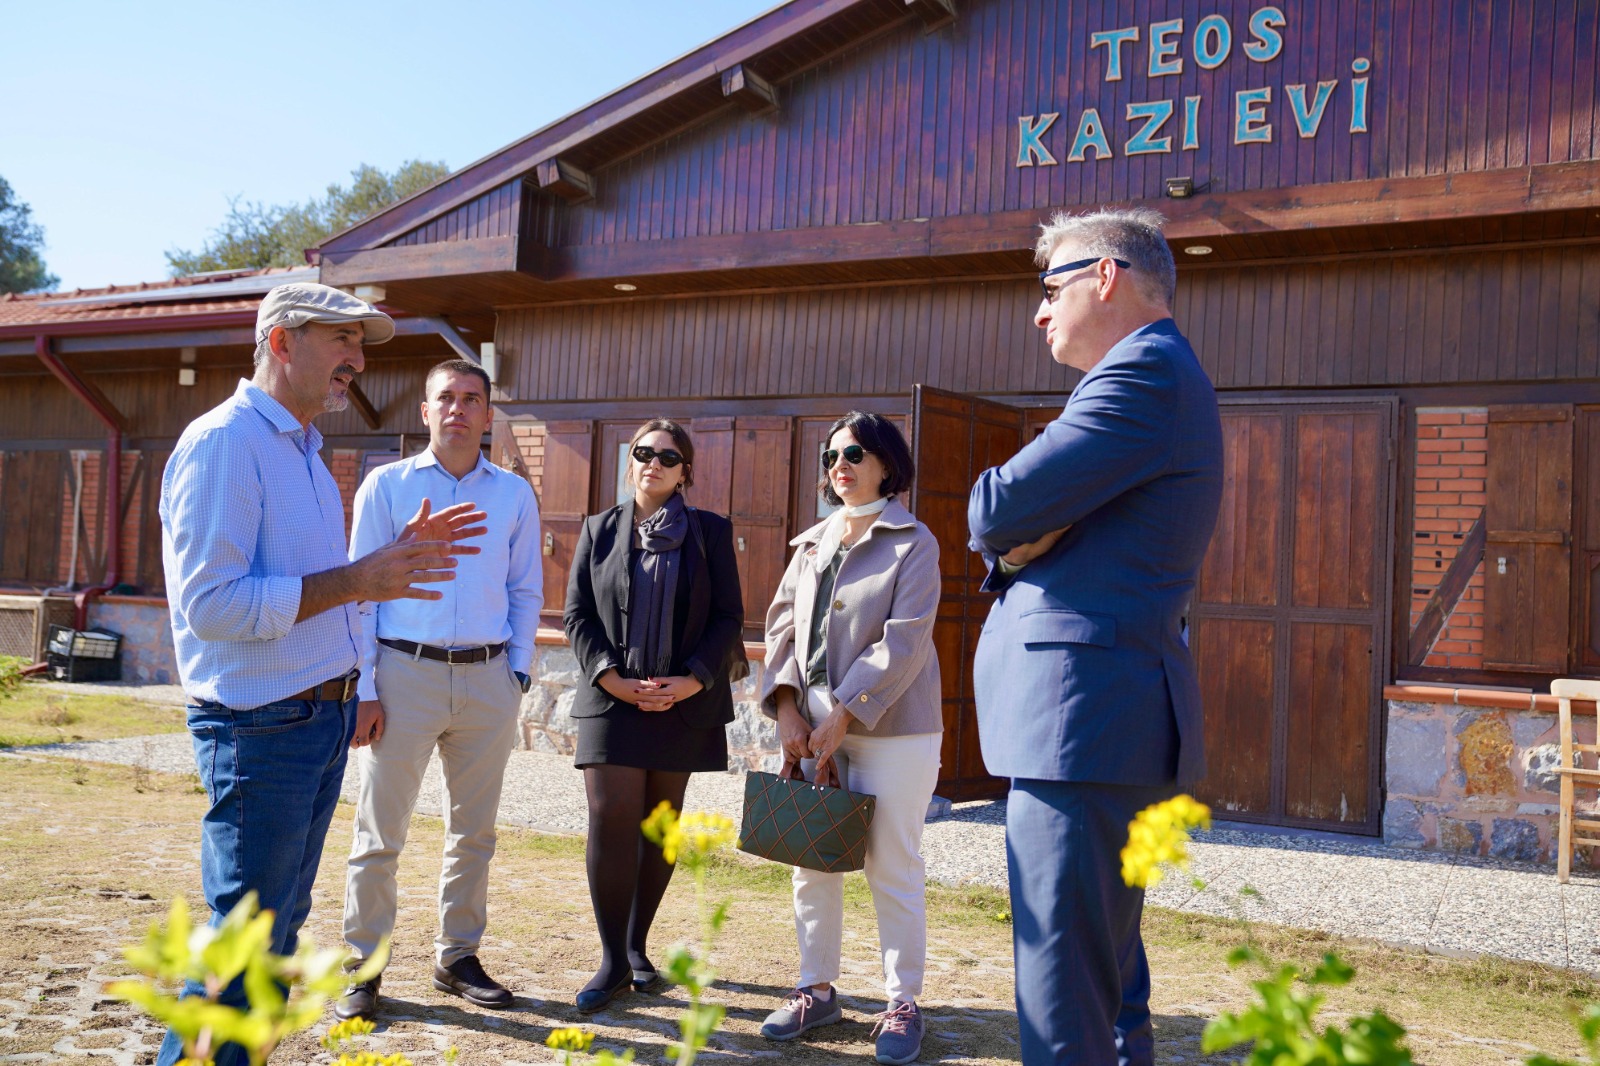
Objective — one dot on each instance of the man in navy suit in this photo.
(1087, 698)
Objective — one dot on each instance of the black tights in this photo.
(627, 875)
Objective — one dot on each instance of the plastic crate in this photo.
(84, 655)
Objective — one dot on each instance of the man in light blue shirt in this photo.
(264, 622)
(445, 674)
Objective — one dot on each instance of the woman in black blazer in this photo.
(655, 617)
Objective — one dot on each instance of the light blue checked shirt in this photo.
(497, 593)
(247, 509)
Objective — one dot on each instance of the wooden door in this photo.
(1290, 622)
(30, 517)
(743, 471)
(568, 458)
(954, 438)
(149, 574)
(1586, 571)
(1527, 573)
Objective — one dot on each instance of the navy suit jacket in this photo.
(1081, 673)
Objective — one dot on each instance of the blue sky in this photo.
(128, 126)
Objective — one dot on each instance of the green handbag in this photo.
(790, 820)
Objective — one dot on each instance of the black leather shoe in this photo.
(359, 1001)
(465, 978)
(596, 999)
(646, 980)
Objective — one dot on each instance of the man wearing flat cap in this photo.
(263, 603)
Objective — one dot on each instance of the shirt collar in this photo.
(251, 395)
(427, 458)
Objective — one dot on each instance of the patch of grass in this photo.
(39, 715)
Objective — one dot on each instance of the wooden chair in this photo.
(1579, 768)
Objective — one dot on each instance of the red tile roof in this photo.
(133, 304)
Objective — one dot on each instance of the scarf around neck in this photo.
(655, 589)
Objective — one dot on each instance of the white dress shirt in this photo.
(496, 595)
(247, 509)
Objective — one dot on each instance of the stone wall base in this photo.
(1475, 780)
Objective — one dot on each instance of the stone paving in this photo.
(1341, 885)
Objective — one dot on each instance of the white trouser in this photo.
(469, 713)
(901, 772)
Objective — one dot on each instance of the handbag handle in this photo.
(828, 779)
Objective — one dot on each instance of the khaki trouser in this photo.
(469, 713)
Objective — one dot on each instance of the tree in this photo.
(21, 241)
(255, 235)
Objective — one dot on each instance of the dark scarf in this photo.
(655, 590)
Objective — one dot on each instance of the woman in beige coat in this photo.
(852, 678)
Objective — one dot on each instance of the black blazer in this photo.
(708, 615)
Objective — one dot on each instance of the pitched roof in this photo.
(147, 305)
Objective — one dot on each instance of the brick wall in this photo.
(345, 466)
(1448, 497)
(530, 442)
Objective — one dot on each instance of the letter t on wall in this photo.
(1113, 40)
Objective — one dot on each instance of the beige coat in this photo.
(881, 662)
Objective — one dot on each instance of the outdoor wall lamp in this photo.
(188, 357)
(1184, 187)
(490, 361)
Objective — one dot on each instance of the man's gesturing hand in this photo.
(453, 524)
(393, 572)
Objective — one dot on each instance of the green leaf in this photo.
(1244, 953)
(1333, 971)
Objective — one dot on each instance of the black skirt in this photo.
(654, 740)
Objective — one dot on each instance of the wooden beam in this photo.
(564, 180)
(1448, 593)
(487, 255)
(749, 89)
(935, 13)
(369, 414)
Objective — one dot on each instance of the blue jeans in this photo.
(272, 775)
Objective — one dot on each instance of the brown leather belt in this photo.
(453, 656)
(339, 689)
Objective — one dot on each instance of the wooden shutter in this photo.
(30, 517)
(954, 438)
(568, 455)
(1586, 575)
(1528, 554)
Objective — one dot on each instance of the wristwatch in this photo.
(525, 680)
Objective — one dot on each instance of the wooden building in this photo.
(1386, 217)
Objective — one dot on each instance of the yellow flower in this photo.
(696, 834)
(348, 1029)
(569, 1040)
(1158, 835)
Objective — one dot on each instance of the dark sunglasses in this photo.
(1076, 264)
(642, 454)
(853, 454)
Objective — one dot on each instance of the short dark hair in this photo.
(680, 440)
(882, 438)
(457, 366)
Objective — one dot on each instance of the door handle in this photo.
(740, 542)
(549, 543)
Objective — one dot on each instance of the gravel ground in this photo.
(1340, 885)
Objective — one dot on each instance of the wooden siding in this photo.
(1412, 320)
(494, 214)
(39, 408)
(912, 125)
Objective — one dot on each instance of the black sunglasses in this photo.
(853, 454)
(1076, 264)
(642, 454)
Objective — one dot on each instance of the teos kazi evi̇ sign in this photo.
(1160, 50)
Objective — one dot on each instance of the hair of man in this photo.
(455, 366)
(264, 345)
(882, 438)
(680, 440)
(1132, 234)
